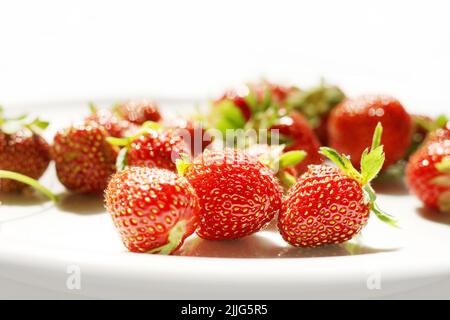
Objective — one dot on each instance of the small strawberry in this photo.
(138, 111)
(115, 126)
(297, 134)
(22, 150)
(153, 147)
(194, 134)
(154, 210)
(352, 122)
(84, 159)
(331, 205)
(238, 194)
(428, 173)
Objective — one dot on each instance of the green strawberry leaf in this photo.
(287, 180)
(29, 181)
(122, 159)
(291, 159)
(92, 107)
(444, 166)
(442, 180)
(37, 124)
(183, 164)
(441, 121)
(228, 116)
(118, 142)
(175, 238)
(372, 162)
(371, 197)
(343, 162)
(151, 125)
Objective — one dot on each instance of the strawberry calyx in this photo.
(175, 238)
(372, 161)
(443, 180)
(432, 124)
(4, 174)
(183, 164)
(14, 124)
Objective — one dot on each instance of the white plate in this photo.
(43, 248)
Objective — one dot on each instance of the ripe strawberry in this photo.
(154, 210)
(84, 159)
(152, 146)
(428, 174)
(238, 195)
(105, 118)
(352, 122)
(297, 134)
(331, 205)
(193, 133)
(139, 111)
(22, 150)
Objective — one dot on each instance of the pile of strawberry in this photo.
(165, 180)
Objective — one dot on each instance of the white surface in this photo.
(38, 242)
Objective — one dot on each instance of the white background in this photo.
(54, 50)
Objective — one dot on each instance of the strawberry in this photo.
(154, 210)
(352, 122)
(22, 150)
(238, 194)
(105, 118)
(297, 134)
(138, 111)
(84, 159)
(316, 104)
(152, 146)
(331, 205)
(428, 173)
(193, 133)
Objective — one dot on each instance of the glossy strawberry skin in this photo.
(301, 137)
(353, 121)
(421, 170)
(158, 149)
(238, 195)
(22, 152)
(139, 111)
(145, 204)
(84, 159)
(324, 207)
(115, 127)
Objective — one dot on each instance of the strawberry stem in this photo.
(291, 159)
(29, 181)
(175, 238)
(119, 142)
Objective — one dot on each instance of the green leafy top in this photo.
(13, 124)
(372, 161)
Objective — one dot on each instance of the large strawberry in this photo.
(352, 122)
(138, 111)
(331, 205)
(152, 146)
(428, 173)
(154, 210)
(238, 195)
(297, 134)
(83, 157)
(22, 150)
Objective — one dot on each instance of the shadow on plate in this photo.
(25, 198)
(259, 246)
(81, 204)
(434, 215)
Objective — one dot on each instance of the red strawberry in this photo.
(352, 122)
(151, 147)
(84, 159)
(113, 125)
(22, 150)
(238, 195)
(428, 174)
(154, 210)
(193, 133)
(299, 135)
(331, 205)
(139, 111)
